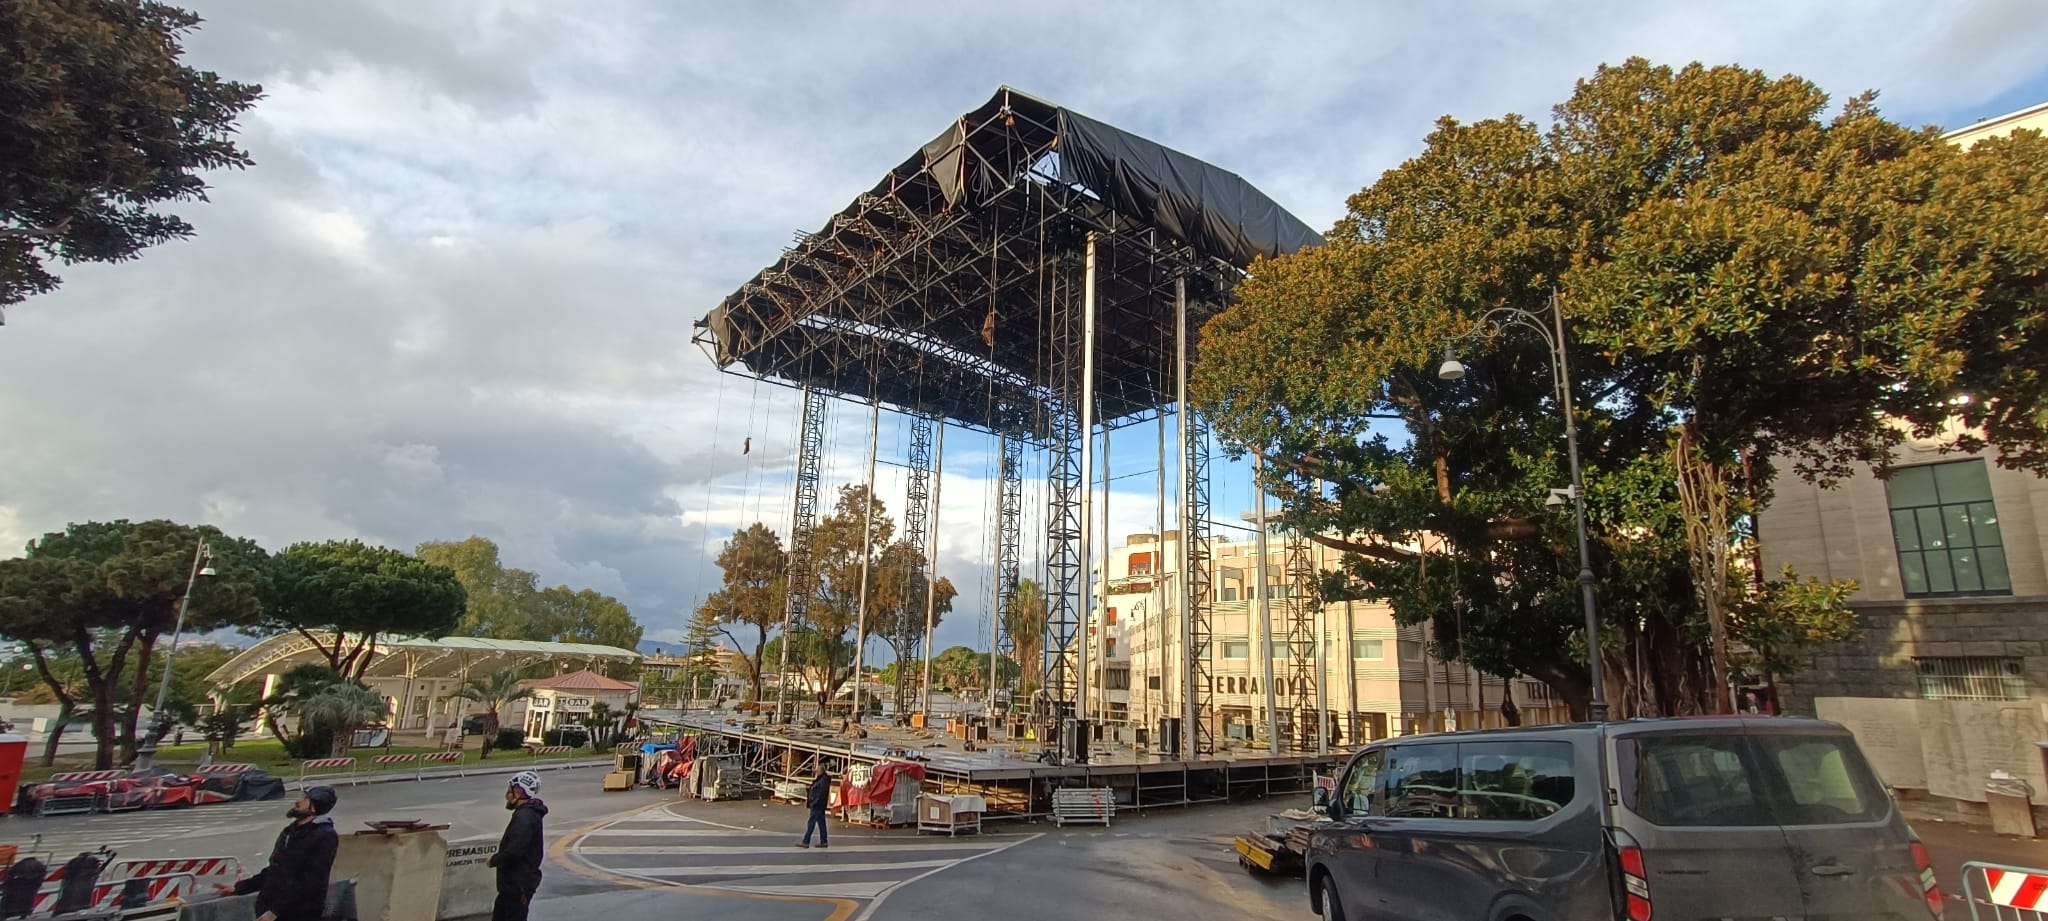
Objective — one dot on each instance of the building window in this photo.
(1116, 679)
(1970, 678)
(1368, 650)
(1152, 682)
(1237, 647)
(1141, 564)
(1946, 529)
(1110, 650)
(1230, 594)
(1411, 651)
(1111, 617)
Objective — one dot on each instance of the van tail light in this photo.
(1635, 877)
(1928, 887)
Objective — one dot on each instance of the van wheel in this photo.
(1333, 907)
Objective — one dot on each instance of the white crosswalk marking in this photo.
(662, 845)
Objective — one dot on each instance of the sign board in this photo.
(575, 703)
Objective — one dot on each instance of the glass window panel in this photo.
(1941, 579)
(1991, 567)
(1967, 579)
(1905, 530)
(1930, 528)
(1984, 520)
(1370, 650)
(1422, 781)
(1965, 481)
(1955, 525)
(1515, 781)
(1912, 486)
(1913, 572)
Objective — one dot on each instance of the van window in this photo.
(1690, 780)
(1515, 781)
(1763, 779)
(1422, 781)
(1360, 784)
(1826, 781)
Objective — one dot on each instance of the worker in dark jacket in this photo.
(519, 852)
(293, 887)
(818, 798)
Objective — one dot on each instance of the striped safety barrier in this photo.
(454, 758)
(146, 881)
(224, 769)
(540, 750)
(383, 760)
(86, 776)
(327, 766)
(2007, 887)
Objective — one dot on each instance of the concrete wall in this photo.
(398, 876)
(468, 885)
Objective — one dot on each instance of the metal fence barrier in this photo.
(327, 766)
(2000, 893)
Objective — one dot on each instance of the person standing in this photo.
(818, 798)
(293, 887)
(519, 852)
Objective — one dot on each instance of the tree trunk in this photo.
(1703, 497)
(64, 713)
(138, 693)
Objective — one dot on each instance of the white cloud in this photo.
(455, 294)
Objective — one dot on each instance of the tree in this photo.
(1740, 279)
(338, 710)
(1025, 620)
(224, 725)
(700, 651)
(343, 595)
(107, 592)
(585, 616)
(492, 691)
(854, 534)
(500, 600)
(104, 123)
(750, 594)
(898, 614)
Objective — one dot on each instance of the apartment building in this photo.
(1367, 676)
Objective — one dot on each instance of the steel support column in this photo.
(803, 522)
(1303, 651)
(1196, 682)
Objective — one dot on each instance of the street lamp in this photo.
(1500, 318)
(145, 753)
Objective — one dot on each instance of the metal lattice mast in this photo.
(917, 506)
(803, 523)
(1302, 652)
(1197, 682)
(1063, 501)
(1009, 545)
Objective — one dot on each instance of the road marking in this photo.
(564, 853)
(776, 869)
(783, 849)
(882, 896)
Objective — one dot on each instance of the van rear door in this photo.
(1850, 849)
(1697, 806)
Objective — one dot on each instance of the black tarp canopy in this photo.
(952, 287)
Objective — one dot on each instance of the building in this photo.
(672, 677)
(1369, 677)
(416, 675)
(2033, 117)
(566, 700)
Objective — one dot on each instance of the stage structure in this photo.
(1035, 275)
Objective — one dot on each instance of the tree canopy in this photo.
(1741, 279)
(103, 124)
(750, 595)
(342, 595)
(508, 603)
(105, 593)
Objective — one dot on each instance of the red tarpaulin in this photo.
(881, 783)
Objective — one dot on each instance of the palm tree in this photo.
(342, 708)
(1025, 620)
(599, 722)
(493, 690)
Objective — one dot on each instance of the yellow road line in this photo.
(563, 855)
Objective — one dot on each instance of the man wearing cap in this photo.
(293, 887)
(519, 852)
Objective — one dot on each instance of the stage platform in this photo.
(1011, 776)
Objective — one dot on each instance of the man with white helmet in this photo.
(519, 852)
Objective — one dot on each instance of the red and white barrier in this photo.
(86, 776)
(454, 758)
(327, 766)
(382, 760)
(2009, 888)
(162, 880)
(224, 769)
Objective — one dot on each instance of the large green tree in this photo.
(508, 603)
(750, 595)
(100, 124)
(107, 593)
(585, 616)
(1740, 279)
(344, 595)
(901, 579)
(851, 537)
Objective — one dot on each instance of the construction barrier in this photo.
(86, 776)
(383, 761)
(208, 769)
(540, 750)
(327, 766)
(2005, 893)
(142, 882)
(454, 758)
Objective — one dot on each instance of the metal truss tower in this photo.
(1194, 536)
(803, 523)
(917, 504)
(1063, 522)
(1301, 643)
(1009, 540)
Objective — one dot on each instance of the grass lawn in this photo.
(268, 755)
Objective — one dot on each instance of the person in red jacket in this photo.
(293, 887)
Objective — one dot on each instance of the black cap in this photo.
(322, 798)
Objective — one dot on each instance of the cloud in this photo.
(455, 294)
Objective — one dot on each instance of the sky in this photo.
(454, 295)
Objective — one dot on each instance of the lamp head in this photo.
(1451, 369)
(1554, 501)
(208, 571)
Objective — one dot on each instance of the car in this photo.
(1679, 819)
(473, 724)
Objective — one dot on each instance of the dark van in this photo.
(1717, 818)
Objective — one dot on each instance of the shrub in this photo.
(574, 738)
(509, 739)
